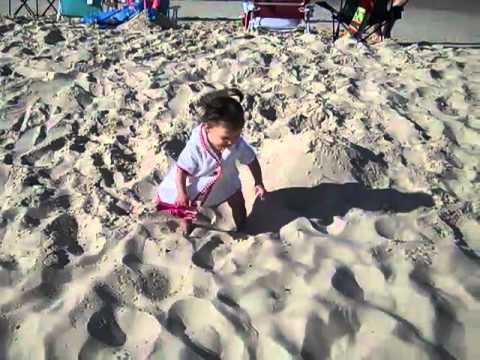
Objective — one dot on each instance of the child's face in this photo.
(222, 137)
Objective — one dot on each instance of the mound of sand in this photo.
(364, 249)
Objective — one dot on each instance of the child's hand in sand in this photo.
(182, 199)
(260, 191)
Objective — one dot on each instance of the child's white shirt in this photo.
(201, 162)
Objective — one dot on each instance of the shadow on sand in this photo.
(325, 201)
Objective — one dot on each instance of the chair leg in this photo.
(28, 9)
(19, 9)
(59, 12)
(307, 20)
(333, 28)
(172, 14)
(51, 5)
(336, 33)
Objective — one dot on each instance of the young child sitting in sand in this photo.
(206, 172)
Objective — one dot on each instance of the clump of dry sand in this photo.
(366, 247)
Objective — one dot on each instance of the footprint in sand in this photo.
(320, 335)
(345, 283)
(8, 159)
(268, 112)
(174, 146)
(203, 257)
(386, 227)
(53, 37)
(154, 283)
(36, 154)
(8, 262)
(106, 174)
(79, 143)
(124, 160)
(102, 325)
(63, 230)
(144, 190)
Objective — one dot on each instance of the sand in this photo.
(365, 248)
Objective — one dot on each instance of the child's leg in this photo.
(186, 226)
(239, 212)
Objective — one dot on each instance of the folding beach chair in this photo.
(50, 6)
(161, 7)
(360, 18)
(281, 15)
(22, 5)
(78, 8)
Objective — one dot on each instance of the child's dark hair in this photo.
(221, 107)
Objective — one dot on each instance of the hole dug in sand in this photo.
(154, 283)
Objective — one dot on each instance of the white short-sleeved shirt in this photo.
(202, 163)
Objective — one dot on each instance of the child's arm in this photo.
(181, 183)
(187, 165)
(256, 171)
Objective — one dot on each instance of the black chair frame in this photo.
(381, 14)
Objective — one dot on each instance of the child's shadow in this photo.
(325, 201)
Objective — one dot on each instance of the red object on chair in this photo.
(281, 9)
(151, 4)
(367, 4)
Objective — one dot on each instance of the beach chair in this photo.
(161, 7)
(50, 6)
(78, 8)
(278, 15)
(361, 24)
(19, 5)
(29, 9)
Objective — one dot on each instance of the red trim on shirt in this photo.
(206, 146)
(203, 195)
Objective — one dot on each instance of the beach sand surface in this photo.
(366, 246)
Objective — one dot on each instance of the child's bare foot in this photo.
(375, 38)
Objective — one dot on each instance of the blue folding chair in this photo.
(78, 8)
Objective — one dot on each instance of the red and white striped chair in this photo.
(279, 15)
